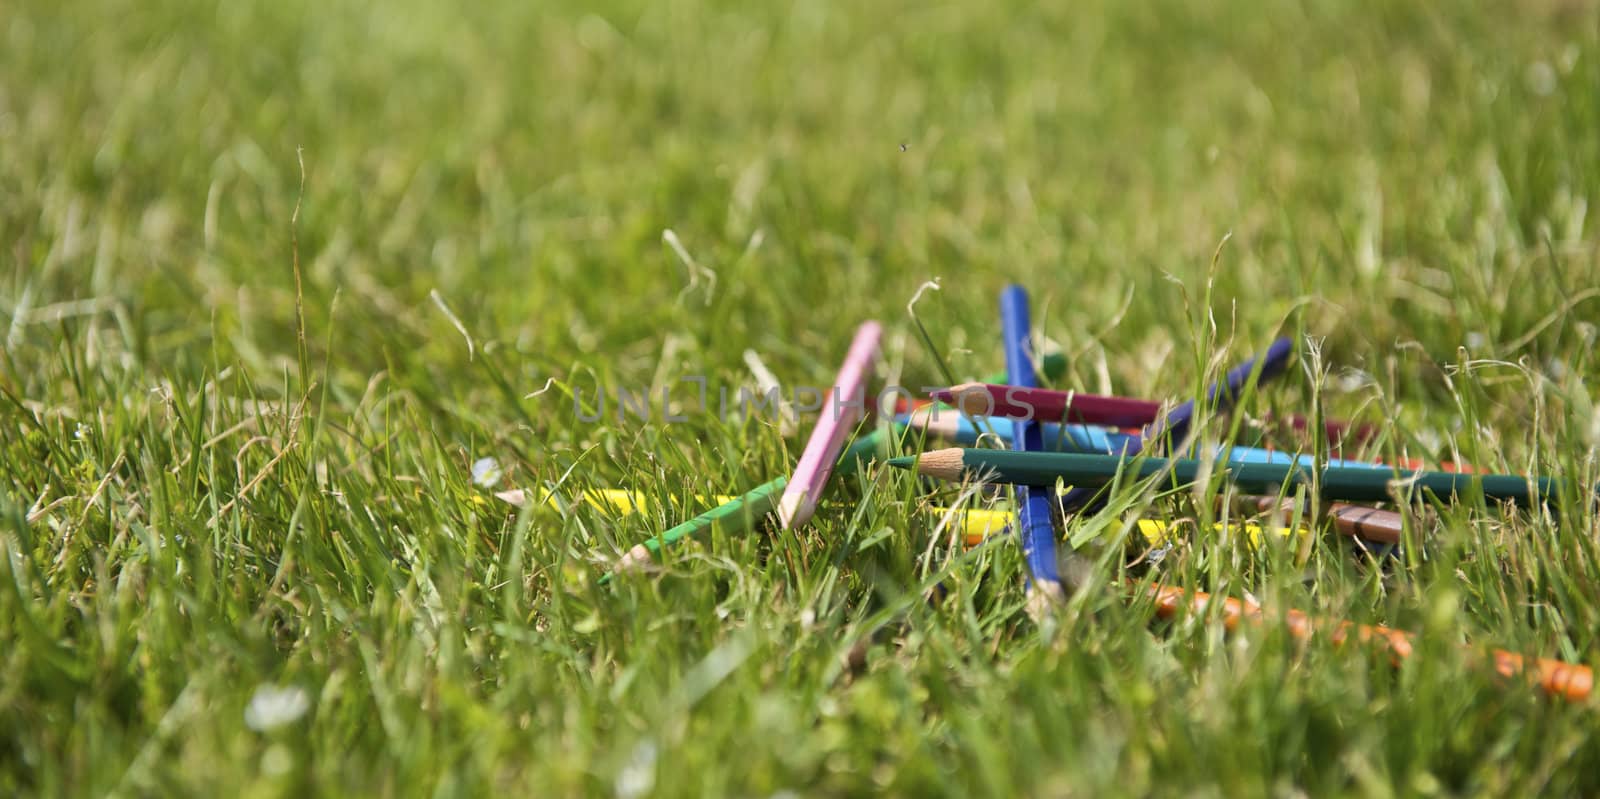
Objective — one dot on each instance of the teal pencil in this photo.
(746, 511)
(1336, 483)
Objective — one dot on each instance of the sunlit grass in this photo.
(203, 525)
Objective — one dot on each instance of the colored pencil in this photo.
(862, 450)
(976, 524)
(615, 500)
(1360, 521)
(838, 418)
(1555, 678)
(1041, 404)
(1350, 485)
(1175, 425)
(1051, 365)
(1336, 431)
(1034, 503)
(954, 426)
(1339, 433)
(742, 513)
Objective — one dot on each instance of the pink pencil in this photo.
(838, 419)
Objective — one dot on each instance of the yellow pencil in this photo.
(975, 524)
(615, 500)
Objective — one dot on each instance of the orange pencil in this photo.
(1568, 681)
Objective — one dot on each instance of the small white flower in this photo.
(638, 776)
(1429, 439)
(1569, 58)
(272, 706)
(486, 472)
(1541, 78)
(1353, 380)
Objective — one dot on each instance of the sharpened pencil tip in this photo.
(903, 462)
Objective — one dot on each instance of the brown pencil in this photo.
(1359, 521)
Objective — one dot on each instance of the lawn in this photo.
(277, 274)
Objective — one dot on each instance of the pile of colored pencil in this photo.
(1066, 452)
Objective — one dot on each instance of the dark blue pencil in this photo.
(1175, 426)
(1034, 503)
(1222, 396)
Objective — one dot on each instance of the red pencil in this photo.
(1047, 405)
(1013, 402)
(1040, 404)
(1336, 430)
(903, 405)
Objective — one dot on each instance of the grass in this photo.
(205, 494)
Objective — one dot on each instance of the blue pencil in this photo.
(1034, 504)
(955, 427)
(1256, 455)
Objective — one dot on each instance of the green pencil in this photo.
(862, 451)
(743, 513)
(739, 514)
(1337, 483)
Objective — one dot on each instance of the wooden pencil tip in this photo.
(1043, 597)
(903, 462)
(944, 464)
(517, 497)
(793, 510)
(635, 559)
(944, 423)
(973, 399)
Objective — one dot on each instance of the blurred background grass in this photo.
(1408, 183)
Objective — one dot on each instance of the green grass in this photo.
(198, 502)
